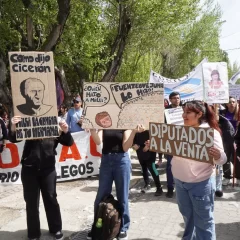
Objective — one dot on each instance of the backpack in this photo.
(109, 212)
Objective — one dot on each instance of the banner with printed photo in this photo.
(188, 142)
(34, 94)
(174, 115)
(190, 86)
(215, 76)
(122, 105)
(80, 160)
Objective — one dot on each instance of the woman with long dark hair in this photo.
(195, 181)
(231, 113)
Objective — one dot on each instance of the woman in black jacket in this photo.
(228, 132)
(39, 174)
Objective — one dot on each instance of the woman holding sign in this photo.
(195, 181)
(115, 166)
(39, 175)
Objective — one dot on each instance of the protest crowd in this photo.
(194, 183)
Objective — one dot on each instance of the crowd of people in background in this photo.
(193, 182)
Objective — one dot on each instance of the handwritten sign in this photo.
(174, 115)
(122, 105)
(183, 141)
(34, 94)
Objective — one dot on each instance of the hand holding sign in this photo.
(215, 153)
(140, 128)
(14, 121)
(64, 127)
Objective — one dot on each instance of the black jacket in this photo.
(40, 154)
(3, 130)
(227, 129)
(140, 139)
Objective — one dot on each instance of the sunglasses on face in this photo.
(76, 102)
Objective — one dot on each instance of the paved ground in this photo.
(152, 217)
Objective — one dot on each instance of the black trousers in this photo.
(227, 173)
(150, 165)
(33, 182)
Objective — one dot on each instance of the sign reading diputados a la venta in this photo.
(183, 141)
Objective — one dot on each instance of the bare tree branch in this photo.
(29, 24)
(57, 28)
(119, 44)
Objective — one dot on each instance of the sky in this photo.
(230, 35)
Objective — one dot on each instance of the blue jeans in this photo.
(170, 182)
(115, 167)
(196, 204)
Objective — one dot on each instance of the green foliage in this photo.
(170, 37)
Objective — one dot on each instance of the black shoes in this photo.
(218, 193)
(89, 235)
(169, 193)
(158, 192)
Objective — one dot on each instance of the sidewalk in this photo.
(152, 218)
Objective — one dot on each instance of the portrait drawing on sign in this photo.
(32, 89)
(103, 119)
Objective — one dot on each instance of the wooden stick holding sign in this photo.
(188, 142)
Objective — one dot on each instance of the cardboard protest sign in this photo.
(34, 94)
(174, 115)
(122, 105)
(183, 141)
(215, 76)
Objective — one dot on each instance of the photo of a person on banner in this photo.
(215, 82)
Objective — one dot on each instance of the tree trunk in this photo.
(119, 44)
(29, 24)
(57, 28)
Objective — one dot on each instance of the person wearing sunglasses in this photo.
(74, 116)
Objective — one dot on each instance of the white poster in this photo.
(215, 82)
(190, 86)
(80, 160)
(174, 115)
(234, 91)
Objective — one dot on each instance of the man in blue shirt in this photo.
(74, 116)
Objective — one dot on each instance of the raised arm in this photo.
(65, 138)
(97, 136)
(12, 129)
(129, 135)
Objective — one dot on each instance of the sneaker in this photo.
(122, 236)
(226, 181)
(218, 193)
(59, 235)
(158, 192)
(146, 188)
(169, 193)
(89, 235)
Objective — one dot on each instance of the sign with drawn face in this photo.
(183, 141)
(34, 94)
(122, 105)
